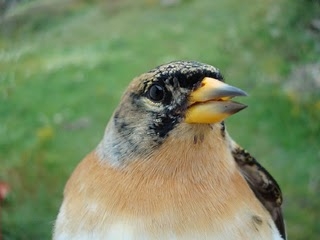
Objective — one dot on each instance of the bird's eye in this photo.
(156, 93)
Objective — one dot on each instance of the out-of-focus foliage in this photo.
(65, 63)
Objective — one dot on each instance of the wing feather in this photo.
(262, 184)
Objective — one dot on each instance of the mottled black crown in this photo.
(188, 73)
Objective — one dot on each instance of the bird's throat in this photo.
(191, 154)
(191, 151)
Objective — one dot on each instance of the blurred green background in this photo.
(65, 63)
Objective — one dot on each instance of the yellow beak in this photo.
(210, 102)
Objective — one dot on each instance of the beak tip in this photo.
(231, 91)
(238, 107)
(243, 93)
(244, 107)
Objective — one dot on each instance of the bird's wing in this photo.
(262, 184)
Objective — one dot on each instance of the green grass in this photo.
(63, 71)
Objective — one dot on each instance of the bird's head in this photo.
(181, 93)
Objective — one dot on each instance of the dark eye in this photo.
(156, 93)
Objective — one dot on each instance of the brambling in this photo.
(166, 168)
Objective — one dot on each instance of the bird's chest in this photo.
(187, 202)
(238, 227)
(166, 210)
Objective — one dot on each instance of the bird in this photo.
(166, 167)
